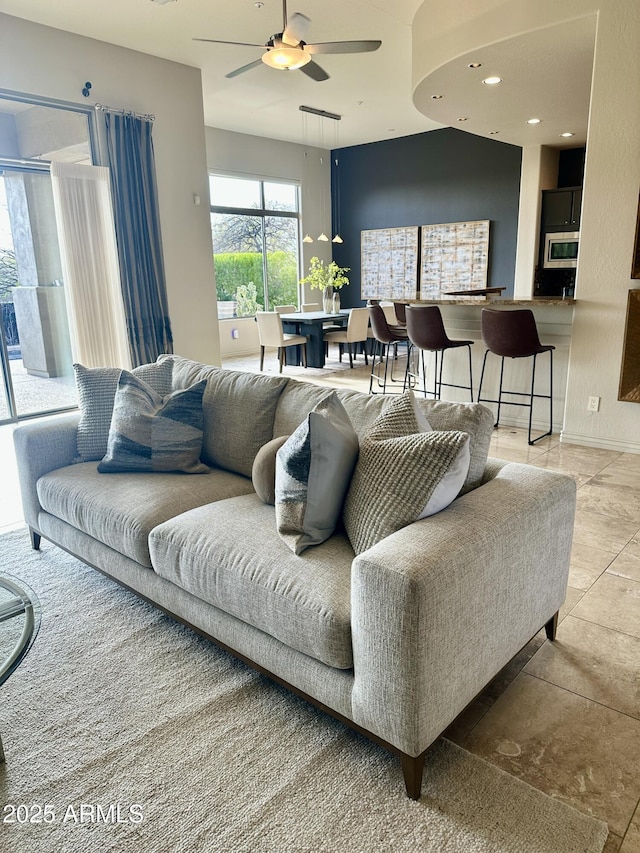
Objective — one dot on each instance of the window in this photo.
(255, 229)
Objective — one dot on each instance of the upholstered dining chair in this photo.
(285, 309)
(427, 334)
(356, 332)
(271, 334)
(386, 340)
(310, 306)
(392, 313)
(514, 334)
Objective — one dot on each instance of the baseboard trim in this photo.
(600, 443)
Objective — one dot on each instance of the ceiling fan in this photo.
(288, 50)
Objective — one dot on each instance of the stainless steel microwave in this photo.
(561, 249)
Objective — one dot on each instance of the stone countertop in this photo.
(494, 303)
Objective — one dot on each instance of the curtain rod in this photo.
(105, 109)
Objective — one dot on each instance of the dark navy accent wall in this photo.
(441, 176)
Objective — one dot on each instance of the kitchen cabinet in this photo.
(561, 209)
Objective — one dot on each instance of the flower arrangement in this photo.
(322, 277)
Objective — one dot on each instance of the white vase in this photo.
(335, 307)
(327, 300)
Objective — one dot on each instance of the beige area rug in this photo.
(124, 731)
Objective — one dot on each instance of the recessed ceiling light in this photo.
(475, 65)
(534, 120)
(437, 97)
(567, 134)
(463, 118)
(492, 81)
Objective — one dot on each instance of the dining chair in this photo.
(386, 340)
(355, 333)
(271, 334)
(514, 334)
(285, 309)
(427, 334)
(310, 306)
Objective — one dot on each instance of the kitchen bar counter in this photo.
(554, 319)
(494, 303)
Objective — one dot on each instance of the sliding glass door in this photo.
(35, 352)
(36, 373)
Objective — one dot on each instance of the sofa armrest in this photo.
(42, 446)
(439, 607)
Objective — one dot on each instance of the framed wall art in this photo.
(629, 389)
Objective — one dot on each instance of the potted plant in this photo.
(246, 300)
(328, 278)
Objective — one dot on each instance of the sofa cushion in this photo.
(398, 470)
(230, 555)
(153, 433)
(313, 472)
(263, 472)
(298, 398)
(239, 409)
(96, 392)
(121, 509)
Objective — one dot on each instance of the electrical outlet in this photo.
(594, 404)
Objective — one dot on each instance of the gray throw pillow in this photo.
(313, 471)
(151, 433)
(96, 393)
(399, 469)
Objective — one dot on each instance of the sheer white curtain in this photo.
(84, 217)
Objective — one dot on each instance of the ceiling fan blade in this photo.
(296, 29)
(235, 43)
(343, 47)
(243, 68)
(313, 70)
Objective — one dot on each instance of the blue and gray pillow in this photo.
(152, 433)
(96, 393)
(313, 471)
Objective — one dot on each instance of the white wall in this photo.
(611, 182)
(242, 154)
(45, 62)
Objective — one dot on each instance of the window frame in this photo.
(263, 213)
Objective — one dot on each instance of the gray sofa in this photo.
(396, 641)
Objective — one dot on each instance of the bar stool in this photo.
(514, 334)
(427, 334)
(386, 340)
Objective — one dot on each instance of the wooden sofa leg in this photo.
(412, 771)
(552, 626)
(35, 539)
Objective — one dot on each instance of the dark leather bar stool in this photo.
(427, 334)
(386, 340)
(514, 334)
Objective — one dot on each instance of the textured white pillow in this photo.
(400, 466)
(450, 485)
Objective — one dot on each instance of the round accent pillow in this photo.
(263, 473)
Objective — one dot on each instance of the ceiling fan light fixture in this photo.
(286, 58)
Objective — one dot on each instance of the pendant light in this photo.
(335, 196)
(307, 237)
(323, 237)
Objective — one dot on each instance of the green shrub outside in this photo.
(239, 268)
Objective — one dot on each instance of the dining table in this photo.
(310, 324)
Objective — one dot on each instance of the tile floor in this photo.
(563, 716)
